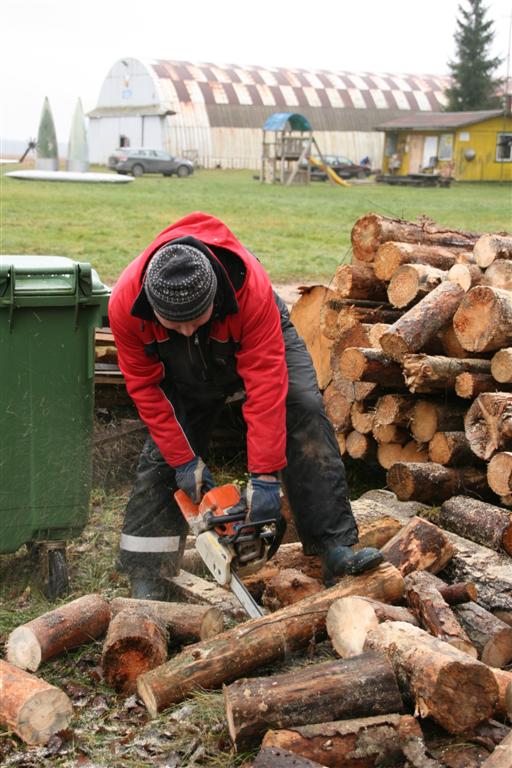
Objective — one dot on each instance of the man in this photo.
(195, 320)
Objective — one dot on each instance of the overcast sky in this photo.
(64, 49)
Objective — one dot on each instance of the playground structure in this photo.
(287, 148)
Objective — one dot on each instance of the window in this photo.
(446, 146)
(504, 147)
(391, 144)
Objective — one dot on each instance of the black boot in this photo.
(149, 589)
(337, 561)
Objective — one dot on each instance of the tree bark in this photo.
(457, 691)
(30, 707)
(360, 364)
(358, 281)
(490, 247)
(432, 483)
(419, 546)
(273, 757)
(392, 255)
(428, 373)
(412, 282)
(185, 622)
(488, 424)
(136, 642)
(255, 643)
(502, 755)
(499, 275)
(366, 742)
(499, 473)
(66, 627)
(501, 366)
(451, 449)
(288, 586)
(483, 321)
(337, 408)
(460, 592)
(491, 637)
(434, 613)
(421, 323)
(350, 619)
(472, 519)
(305, 315)
(357, 687)
(429, 417)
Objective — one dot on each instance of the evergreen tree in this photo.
(473, 85)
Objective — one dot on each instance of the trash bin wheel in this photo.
(58, 581)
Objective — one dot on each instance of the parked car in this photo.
(342, 166)
(139, 161)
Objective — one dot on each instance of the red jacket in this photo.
(260, 357)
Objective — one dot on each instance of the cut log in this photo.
(421, 323)
(502, 755)
(30, 707)
(375, 332)
(490, 247)
(434, 613)
(483, 321)
(501, 366)
(394, 409)
(428, 373)
(194, 589)
(136, 642)
(305, 315)
(412, 282)
(488, 424)
(499, 275)
(504, 705)
(66, 627)
(362, 417)
(371, 230)
(329, 312)
(470, 385)
(184, 622)
(390, 433)
(491, 637)
(360, 364)
(461, 592)
(361, 446)
(457, 691)
(342, 443)
(289, 586)
(358, 281)
(389, 454)
(499, 473)
(414, 452)
(355, 336)
(451, 449)
(354, 391)
(251, 645)
(419, 546)
(432, 483)
(429, 417)
(450, 344)
(392, 255)
(350, 619)
(337, 408)
(465, 275)
(366, 742)
(358, 311)
(356, 687)
(274, 757)
(486, 524)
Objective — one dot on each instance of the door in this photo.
(415, 153)
(430, 152)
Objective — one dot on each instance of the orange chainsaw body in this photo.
(216, 501)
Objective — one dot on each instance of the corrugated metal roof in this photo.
(438, 120)
(278, 121)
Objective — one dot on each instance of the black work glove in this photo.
(261, 499)
(194, 478)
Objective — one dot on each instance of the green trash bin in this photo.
(49, 308)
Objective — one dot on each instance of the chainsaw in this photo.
(230, 547)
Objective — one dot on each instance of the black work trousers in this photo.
(154, 530)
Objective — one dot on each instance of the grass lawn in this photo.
(299, 233)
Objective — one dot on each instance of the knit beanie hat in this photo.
(180, 283)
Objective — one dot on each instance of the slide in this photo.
(329, 171)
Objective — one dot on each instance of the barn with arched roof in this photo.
(215, 113)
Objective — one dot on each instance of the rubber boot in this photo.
(339, 561)
(149, 589)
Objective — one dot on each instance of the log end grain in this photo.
(23, 649)
(43, 714)
(348, 622)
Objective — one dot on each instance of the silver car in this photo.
(139, 161)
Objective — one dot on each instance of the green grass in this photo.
(298, 232)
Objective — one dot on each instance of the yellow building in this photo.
(468, 146)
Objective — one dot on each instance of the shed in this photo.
(468, 146)
(214, 112)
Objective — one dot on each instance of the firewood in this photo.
(358, 687)
(371, 230)
(499, 473)
(451, 449)
(354, 391)
(365, 742)
(305, 315)
(460, 592)
(329, 312)
(429, 417)
(502, 755)
(61, 629)
(499, 275)
(451, 346)
(392, 255)
(428, 373)
(483, 321)
(350, 619)
(289, 586)
(421, 323)
(362, 417)
(375, 332)
(367, 312)
(361, 446)
(434, 613)
(251, 645)
(360, 364)
(185, 622)
(432, 483)
(484, 523)
(394, 409)
(490, 247)
(389, 454)
(491, 637)
(470, 385)
(390, 433)
(501, 366)
(465, 275)
(30, 707)
(354, 336)
(419, 546)
(414, 453)
(456, 690)
(505, 616)
(342, 443)
(358, 281)
(136, 642)
(273, 757)
(504, 704)
(412, 282)
(506, 501)
(488, 424)
(337, 408)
